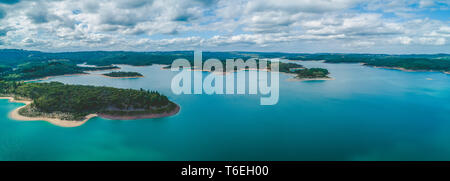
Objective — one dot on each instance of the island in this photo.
(312, 74)
(11, 58)
(45, 69)
(289, 67)
(302, 73)
(123, 74)
(72, 105)
(299, 71)
(410, 62)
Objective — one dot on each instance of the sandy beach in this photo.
(69, 123)
(402, 69)
(406, 70)
(58, 122)
(48, 77)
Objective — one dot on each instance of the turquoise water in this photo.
(365, 114)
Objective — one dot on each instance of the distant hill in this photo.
(10, 58)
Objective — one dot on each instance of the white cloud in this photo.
(185, 24)
(432, 41)
(402, 40)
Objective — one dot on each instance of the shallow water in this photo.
(365, 114)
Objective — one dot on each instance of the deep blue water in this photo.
(364, 114)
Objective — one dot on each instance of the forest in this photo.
(312, 73)
(123, 74)
(432, 62)
(35, 70)
(80, 100)
(18, 64)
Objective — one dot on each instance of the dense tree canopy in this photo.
(289, 67)
(23, 65)
(82, 100)
(312, 73)
(34, 70)
(123, 74)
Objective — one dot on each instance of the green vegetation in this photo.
(8, 88)
(413, 64)
(302, 72)
(4, 68)
(35, 70)
(13, 57)
(123, 74)
(77, 101)
(23, 65)
(437, 62)
(312, 73)
(289, 67)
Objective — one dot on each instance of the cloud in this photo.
(30, 42)
(132, 4)
(4, 31)
(279, 25)
(404, 40)
(38, 14)
(406, 8)
(123, 19)
(426, 3)
(90, 6)
(292, 6)
(431, 41)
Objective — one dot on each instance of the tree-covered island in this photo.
(74, 102)
(313, 73)
(123, 74)
(10, 58)
(37, 70)
(302, 73)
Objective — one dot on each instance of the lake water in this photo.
(365, 114)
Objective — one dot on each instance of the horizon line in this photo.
(78, 51)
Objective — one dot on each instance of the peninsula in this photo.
(72, 105)
(45, 69)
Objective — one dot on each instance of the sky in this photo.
(302, 26)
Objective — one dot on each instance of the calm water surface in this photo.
(365, 114)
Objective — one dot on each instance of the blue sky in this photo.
(310, 26)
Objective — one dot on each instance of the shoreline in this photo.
(382, 67)
(120, 77)
(72, 123)
(144, 116)
(133, 65)
(53, 76)
(55, 121)
(218, 72)
(294, 79)
(102, 70)
(404, 69)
